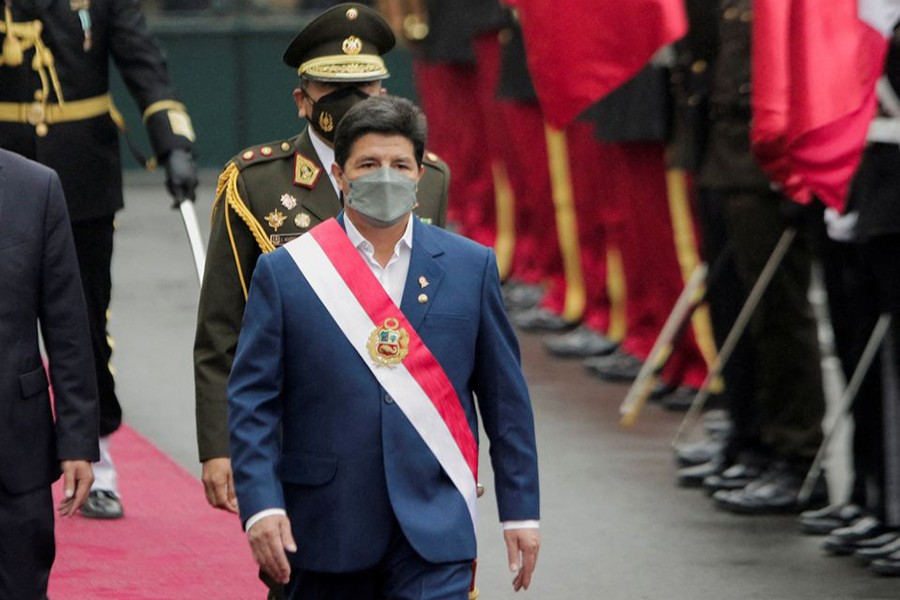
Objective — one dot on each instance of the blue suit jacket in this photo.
(39, 283)
(314, 433)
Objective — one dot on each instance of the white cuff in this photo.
(262, 515)
(514, 525)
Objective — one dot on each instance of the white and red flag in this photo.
(581, 50)
(815, 64)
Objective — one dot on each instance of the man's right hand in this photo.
(218, 483)
(269, 538)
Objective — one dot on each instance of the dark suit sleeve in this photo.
(255, 391)
(505, 406)
(143, 68)
(64, 326)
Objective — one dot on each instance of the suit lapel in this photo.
(321, 200)
(425, 275)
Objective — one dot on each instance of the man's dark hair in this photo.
(387, 115)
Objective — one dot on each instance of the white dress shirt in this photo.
(326, 157)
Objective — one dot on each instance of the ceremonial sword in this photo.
(189, 218)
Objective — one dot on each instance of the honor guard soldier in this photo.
(55, 108)
(273, 193)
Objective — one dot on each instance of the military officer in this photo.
(55, 108)
(788, 396)
(272, 193)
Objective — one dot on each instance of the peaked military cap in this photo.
(344, 43)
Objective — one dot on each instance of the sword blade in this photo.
(195, 239)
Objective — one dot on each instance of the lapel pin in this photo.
(423, 283)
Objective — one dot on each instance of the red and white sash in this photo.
(359, 305)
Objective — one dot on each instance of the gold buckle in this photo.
(35, 113)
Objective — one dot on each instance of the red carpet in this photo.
(170, 545)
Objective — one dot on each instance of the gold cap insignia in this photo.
(389, 344)
(285, 146)
(306, 173)
(423, 282)
(275, 219)
(352, 14)
(302, 220)
(423, 298)
(352, 45)
(326, 121)
(288, 201)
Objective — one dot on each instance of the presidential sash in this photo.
(391, 348)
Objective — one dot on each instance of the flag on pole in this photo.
(815, 64)
(580, 50)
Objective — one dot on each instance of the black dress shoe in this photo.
(618, 366)
(845, 540)
(581, 342)
(826, 520)
(889, 566)
(717, 424)
(735, 477)
(873, 549)
(775, 492)
(521, 296)
(540, 319)
(692, 477)
(680, 399)
(661, 390)
(102, 504)
(688, 455)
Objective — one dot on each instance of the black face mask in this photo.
(330, 109)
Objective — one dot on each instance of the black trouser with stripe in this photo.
(94, 246)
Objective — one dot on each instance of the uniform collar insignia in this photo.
(306, 172)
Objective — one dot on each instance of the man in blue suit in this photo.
(40, 285)
(352, 396)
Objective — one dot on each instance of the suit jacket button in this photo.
(388, 399)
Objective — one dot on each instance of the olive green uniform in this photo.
(266, 196)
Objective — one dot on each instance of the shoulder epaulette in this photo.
(263, 153)
(433, 161)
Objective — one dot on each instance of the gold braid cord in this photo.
(20, 37)
(227, 188)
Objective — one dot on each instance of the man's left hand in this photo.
(522, 547)
(77, 479)
(181, 174)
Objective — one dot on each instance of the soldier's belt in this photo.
(42, 114)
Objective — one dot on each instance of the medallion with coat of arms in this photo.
(389, 344)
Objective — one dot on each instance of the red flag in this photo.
(581, 50)
(815, 64)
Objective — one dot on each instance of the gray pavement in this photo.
(614, 525)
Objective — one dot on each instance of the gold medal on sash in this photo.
(389, 344)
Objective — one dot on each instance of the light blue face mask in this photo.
(383, 197)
